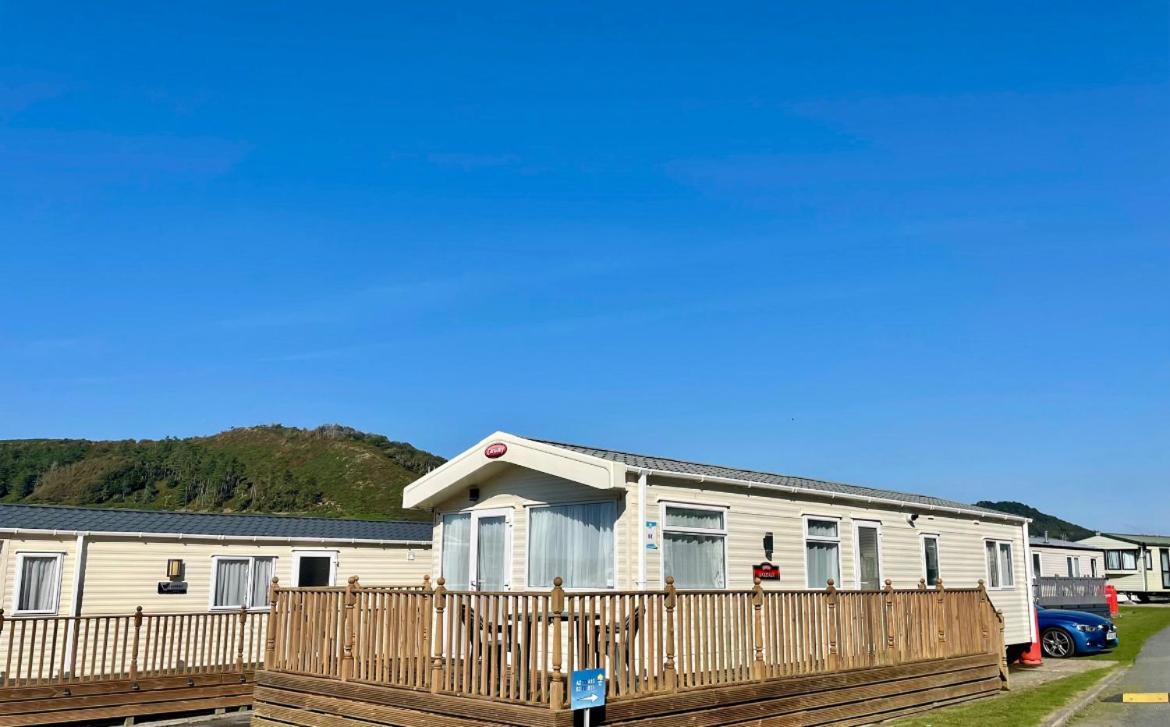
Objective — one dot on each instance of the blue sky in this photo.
(914, 246)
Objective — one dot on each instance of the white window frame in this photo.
(617, 517)
(1010, 573)
(1074, 566)
(332, 555)
(438, 564)
(20, 558)
(857, 525)
(251, 565)
(1148, 557)
(937, 554)
(1132, 554)
(662, 507)
(821, 539)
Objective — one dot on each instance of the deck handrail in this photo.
(522, 646)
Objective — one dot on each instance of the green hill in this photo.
(331, 471)
(1041, 522)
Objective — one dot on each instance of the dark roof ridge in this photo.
(147, 511)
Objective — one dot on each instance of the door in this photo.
(1166, 567)
(867, 536)
(491, 549)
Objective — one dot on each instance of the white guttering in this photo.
(639, 534)
(197, 536)
(836, 495)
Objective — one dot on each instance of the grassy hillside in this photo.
(1041, 521)
(331, 470)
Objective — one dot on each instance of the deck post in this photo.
(273, 625)
(942, 610)
(922, 584)
(985, 606)
(891, 622)
(670, 600)
(349, 626)
(240, 641)
(758, 629)
(440, 604)
(834, 626)
(557, 688)
(134, 646)
(1000, 646)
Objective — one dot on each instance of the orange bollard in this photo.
(1111, 599)
(1033, 656)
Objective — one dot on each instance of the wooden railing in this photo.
(520, 647)
(67, 649)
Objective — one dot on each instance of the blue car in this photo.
(1072, 633)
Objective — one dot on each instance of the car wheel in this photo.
(1057, 644)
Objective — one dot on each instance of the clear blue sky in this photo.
(911, 245)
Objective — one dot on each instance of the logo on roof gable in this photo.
(495, 450)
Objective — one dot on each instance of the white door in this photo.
(491, 549)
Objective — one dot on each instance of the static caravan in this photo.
(1136, 565)
(513, 513)
(69, 561)
(1056, 558)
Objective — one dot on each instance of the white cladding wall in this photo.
(750, 514)
(1139, 580)
(123, 573)
(1054, 561)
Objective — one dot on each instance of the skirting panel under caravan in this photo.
(854, 697)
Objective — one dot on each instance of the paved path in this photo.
(1151, 673)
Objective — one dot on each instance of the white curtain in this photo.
(695, 561)
(38, 584)
(490, 563)
(822, 563)
(261, 578)
(992, 565)
(231, 582)
(681, 517)
(574, 542)
(456, 551)
(1007, 575)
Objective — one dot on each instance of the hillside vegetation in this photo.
(1041, 522)
(331, 470)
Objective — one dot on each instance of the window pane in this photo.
(456, 551)
(695, 561)
(869, 570)
(231, 582)
(931, 557)
(992, 566)
(491, 565)
(574, 542)
(1128, 560)
(822, 564)
(261, 578)
(1006, 576)
(822, 528)
(680, 517)
(38, 584)
(1113, 560)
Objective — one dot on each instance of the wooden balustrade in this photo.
(521, 647)
(68, 649)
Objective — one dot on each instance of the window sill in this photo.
(237, 609)
(34, 614)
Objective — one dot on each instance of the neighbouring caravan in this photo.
(70, 561)
(1136, 565)
(1055, 558)
(513, 513)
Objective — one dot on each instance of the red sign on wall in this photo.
(495, 450)
(765, 572)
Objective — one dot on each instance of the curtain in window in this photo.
(231, 582)
(992, 565)
(38, 584)
(261, 578)
(822, 563)
(822, 528)
(1007, 577)
(931, 555)
(456, 551)
(695, 561)
(574, 542)
(680, 517)
(491, 564)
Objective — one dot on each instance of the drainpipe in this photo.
(641, 530)
(81, 551)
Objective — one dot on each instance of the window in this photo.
(1120, 560)
(240, 581)
(822, 545)
(693, 546)
(1113, 559)
(867, 542)
(1093, 567)
(1074, 567)
(38, 583)
(999, 564)
(574, 542)
(1149, 559)
(1036, 565)
(456, 567)
(314, 568)
(930, 558)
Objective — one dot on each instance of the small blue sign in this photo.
(587, 689)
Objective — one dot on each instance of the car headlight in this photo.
(1087, 628)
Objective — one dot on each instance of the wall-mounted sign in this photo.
(766, 572)
(651, 535)
(495, 450)
(172, 586)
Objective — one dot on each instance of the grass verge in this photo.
(1029, 707)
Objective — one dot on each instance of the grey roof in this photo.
(92, 520)
(1163, 540)
(666, 464)
(1041, 541)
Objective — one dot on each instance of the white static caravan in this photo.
(512, 513)
(1138, 566)
(1055, 558)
